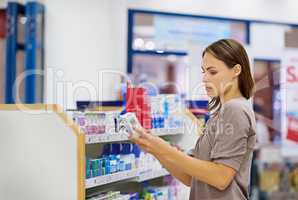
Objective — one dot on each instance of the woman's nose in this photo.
(205, 78)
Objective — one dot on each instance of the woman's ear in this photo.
(237, 70)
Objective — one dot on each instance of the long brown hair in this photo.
(232, 53)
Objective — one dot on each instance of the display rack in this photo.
(118, 137)
(151, 174)
(136, 175)
(125, 179)
(47, 151)
(42, 154)
(24, 52)
(111, 178)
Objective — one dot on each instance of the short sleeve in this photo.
(191, 152)
(231, 139)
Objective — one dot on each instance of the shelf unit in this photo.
(135, 175)
(139, 175)
(118, 137)
(111, 178)
(43, 151)
(151, 174)
(47, 153)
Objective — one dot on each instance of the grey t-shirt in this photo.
(228, 139)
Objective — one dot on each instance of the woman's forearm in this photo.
(208, 172)
(174, 171)
(217, 175)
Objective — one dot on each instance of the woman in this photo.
(220, 166)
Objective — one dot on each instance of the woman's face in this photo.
(217, 77)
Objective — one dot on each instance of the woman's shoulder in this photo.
(238, 105)
(237, 102)
(238, 108)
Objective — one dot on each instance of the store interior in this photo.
(71, 69)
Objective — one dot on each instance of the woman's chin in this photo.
(211, 94)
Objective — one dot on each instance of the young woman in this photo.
(220, 166)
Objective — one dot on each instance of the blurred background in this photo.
(100, 45)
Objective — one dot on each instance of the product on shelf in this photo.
(164, 111)
(115, 158)
(137, 101)
(112, 121)
(278, 179)
(128, 122)
(114, 195)
(171, 190)
(118, 157)
(294, 179)
(270, 180)
(157, 112)
(155, 193)
(92, 122)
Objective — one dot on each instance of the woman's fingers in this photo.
(138, 130)
(144, 140)
(142, 132)
(140, 141)
(142, 144)
(145, 148)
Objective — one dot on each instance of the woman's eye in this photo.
(213, 72)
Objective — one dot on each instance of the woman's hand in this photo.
(151, 143)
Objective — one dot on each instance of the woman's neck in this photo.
(230, 95)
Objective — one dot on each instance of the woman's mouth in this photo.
(208, 88)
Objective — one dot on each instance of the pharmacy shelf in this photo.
(117, 137)
(137, 175)
(111, 178)
(125, 197)
(151, 174)
(168, 131)
(39, 127)
(104, 138)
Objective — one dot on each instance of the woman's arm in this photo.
(216, 175)
(174, 171)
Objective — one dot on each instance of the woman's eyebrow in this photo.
(207, 68)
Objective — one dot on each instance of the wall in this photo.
(98, 31)
(42, 158)
(83, 37)
(246, 9)
(261, 46)
(3, 3)
(81, 41)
